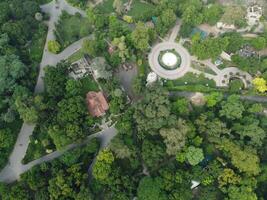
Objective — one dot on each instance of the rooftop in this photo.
(97, 103)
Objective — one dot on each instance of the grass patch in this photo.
(76, 56)
(37, 45)
(107, 6)
(71, 28)
(202, 68)
(139, 9)
(194, 83)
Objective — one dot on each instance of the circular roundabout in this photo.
(169, 60)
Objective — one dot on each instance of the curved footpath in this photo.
(14, 168)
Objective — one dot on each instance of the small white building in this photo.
(152, 77)
(224, 26)
(194, 184)
(254, 14)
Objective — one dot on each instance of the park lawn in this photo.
(76, 56)
(71, 28)
(37, 44)
(194, 83)
(194, 88)
(193, 79)
(107, 6)
(139, 8)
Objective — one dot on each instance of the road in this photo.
(54, 10)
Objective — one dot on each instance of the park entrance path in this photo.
(15, 168)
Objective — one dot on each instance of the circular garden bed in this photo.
(169, 59)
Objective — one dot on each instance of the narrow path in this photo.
(186, 94)
(208, 76)
(175, 31)
(208, 63)
(54, 9)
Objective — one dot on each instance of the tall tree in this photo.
(140, 37)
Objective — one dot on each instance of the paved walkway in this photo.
(15, 168)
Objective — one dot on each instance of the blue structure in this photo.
(154, 19)
(202, 33)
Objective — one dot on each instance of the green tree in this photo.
(53, 46)
(149, 189)
(244, 160)
(175, 138)
(212, 14)
(11, 71)
(153, 112)
(73, 88)
(243, 192)
(6, 139)
(55, 80)
(89, 47)
(258, 43)
(194, 155)
(181, 107)
(232, 108)
(209, 48)
(71, 110)
(152, 153)
(165, 21)
(192, 14)
(103, 165)
(228, 177)
(140, 37)
(122, 48)
(255, 133)
(235, 41)
(213, 99)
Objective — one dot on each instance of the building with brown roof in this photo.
(96, 103)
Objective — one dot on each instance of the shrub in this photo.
(53, 46)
